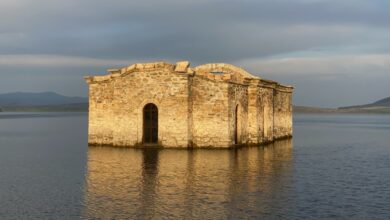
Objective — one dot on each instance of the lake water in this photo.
(335, 167)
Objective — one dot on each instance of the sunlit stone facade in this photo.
(213, 105)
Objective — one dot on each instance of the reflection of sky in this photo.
(335, 52)
(180, 184)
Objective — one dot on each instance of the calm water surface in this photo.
(336, 167)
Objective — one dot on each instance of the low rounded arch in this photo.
(224, 67)
(150, 105)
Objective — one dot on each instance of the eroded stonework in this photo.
(212, 105)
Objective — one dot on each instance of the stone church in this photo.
(160, 104)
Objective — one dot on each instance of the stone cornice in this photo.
(138, 67)
(219, 72)
(275, 85)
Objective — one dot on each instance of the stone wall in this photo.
(209, 112)
(255, 113)
(100, 113)
(119, 121)
(238, 113)
(266, 108)
(282, 114)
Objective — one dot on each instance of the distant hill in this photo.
(381, 106)
(306, 109)
(51, 101)
(37, 99)
(43, 101)
(383, 103)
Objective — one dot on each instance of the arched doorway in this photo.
(150, 134)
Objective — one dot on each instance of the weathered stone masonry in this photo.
(212, 105)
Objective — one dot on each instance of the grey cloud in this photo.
(101, 29)
(86, 36)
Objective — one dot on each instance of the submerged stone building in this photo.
(160, 104)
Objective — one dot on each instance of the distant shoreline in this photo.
(77, 107)
(371, 110)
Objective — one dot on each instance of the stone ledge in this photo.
(182, 66)
(194, 147)
(114, 73)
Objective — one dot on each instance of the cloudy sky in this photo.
(335, 52)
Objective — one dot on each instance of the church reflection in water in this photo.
(210, 184)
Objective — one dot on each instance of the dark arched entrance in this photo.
(150, 135)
